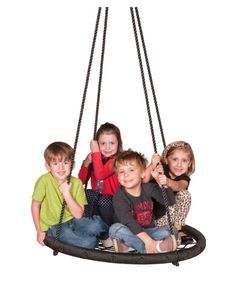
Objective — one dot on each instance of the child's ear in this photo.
(143, 174)
(73, 165)
(48, 168)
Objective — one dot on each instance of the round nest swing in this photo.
(183, 252)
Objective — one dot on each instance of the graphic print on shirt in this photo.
(143, 213)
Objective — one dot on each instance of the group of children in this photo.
(124, 206)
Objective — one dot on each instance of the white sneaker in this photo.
(167, 245)
(108, 243)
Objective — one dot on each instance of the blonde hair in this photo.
(58, 150)
(180, 145)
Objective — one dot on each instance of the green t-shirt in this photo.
(47, 192)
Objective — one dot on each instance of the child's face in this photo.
(130, 174)
(178, 162)
(59, 168)
(108, 144)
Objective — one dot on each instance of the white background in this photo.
(44, 54)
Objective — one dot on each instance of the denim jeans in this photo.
(84, 232)
(123, 234)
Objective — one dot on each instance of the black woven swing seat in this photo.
(109, 254)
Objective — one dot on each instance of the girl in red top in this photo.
(98, 164)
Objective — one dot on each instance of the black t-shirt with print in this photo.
(137, 212)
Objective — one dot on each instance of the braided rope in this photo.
(150, 78)
(99, 90)
(98, 99)
(143, 79)
(164, 194)
(58, 230)
(101, 71)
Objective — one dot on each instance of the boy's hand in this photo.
(94, 146)
(156, 159)
(65, 187)
(40, 238)
(150, 247)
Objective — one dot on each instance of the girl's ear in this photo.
(48, 168)
(74, 165)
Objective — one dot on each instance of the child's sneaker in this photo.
(108, 243)
(120, 247)
(167, 245)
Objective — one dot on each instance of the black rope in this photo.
(58, 230)
(143, 80)
(150, 78)
(99, 88)
(164, 194)
(90, 213)
(101, 72)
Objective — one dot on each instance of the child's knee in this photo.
(115, 229)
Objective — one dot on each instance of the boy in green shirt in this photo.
(50, 190)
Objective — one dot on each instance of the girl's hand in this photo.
(159, 176)
(88, 160)
(163, 180)
(94, 146)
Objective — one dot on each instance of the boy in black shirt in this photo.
(133, 206)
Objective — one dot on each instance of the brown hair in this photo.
(58, 150)
(108, 128)
(128, 156)
(180, 145)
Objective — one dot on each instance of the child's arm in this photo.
(84, 168)
(155, 161)
(88, 160)
(176, 186)
(101, 171)
(35, 210)
(75, 208)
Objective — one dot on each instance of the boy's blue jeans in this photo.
(123, 234)
(84, 232)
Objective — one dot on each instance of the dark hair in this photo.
(130, 155)
(108, 128)
(58, 150)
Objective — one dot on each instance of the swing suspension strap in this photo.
(90, 213)
(100, 72)
(150, 78)
(99, 88)
(146, 97)
(58, 231)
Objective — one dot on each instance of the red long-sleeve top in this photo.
(101, 172)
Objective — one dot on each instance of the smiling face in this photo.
(108, 144)
(59, 168)
(130, 175)
(178, 162)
